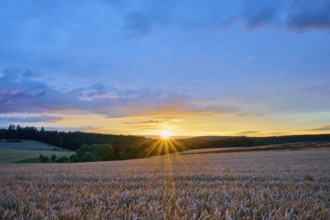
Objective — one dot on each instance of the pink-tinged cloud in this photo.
(22, 93)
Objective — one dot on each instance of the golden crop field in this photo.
(250, 185)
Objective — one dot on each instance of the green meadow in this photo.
(28, 151)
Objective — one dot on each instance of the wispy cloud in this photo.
(154, 122)
(252, 114)
(22, 93)
(170, 110)
(323, 128)
(262, 133)
(260, 13)
(139, 21)
(305, 14)
(247, 133)
(277, 133)
(13, 120)
(290, 15)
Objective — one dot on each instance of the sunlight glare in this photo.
(165, 134)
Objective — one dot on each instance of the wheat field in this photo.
(250, 185)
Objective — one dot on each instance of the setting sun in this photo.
(165, 134)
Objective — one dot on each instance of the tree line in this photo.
(122, 144)
(260, 141)
(86, 153)
(90, 146)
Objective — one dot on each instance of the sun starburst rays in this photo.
(165, 152)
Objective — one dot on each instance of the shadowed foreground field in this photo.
(260, 185)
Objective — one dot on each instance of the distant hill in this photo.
(28, 149)
(28, 145)
(207, 138)
(242, 141)
(201, 139)
(195, 142)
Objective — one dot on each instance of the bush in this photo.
(62, 159)
(74, 158)
(94, 152)
(43, 159)
(53, 157)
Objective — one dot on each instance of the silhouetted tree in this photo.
(43, 159)
(53, 158)
(62, 159)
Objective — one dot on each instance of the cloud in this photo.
(244, 133)
(20, 93)
(139, 20)
(296, 15)
(260, 133)
(145, 122)
(291, 15)
(247, 114)
(154, 122)
(306, 14)
(277, 133)
(138, 23)
(323, 128)
(260, 13)
(6, 119)
(24, 93)
(184, 108)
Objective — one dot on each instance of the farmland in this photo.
(15, 151)
(27, 145)
(269, 185)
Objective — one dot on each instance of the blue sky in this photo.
(194, 67)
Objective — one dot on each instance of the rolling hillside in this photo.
(11, 152)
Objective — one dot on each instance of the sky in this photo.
(240, 67)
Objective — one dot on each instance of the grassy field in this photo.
(11, 156)
(27, 145)
(15, 151)
(247, 185)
